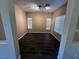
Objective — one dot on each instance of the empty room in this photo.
(39, 29)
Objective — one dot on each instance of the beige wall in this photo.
(61, 11)
(20, 21)
(2, 34)
(39, 21)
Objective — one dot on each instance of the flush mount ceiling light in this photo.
(45, 6)
(41, 7)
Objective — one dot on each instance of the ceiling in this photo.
(27, 5)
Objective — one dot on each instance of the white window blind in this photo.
(48, 24)
(59, 24)
(29, 20)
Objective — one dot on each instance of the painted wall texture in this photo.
(39, 21)
(20, 21)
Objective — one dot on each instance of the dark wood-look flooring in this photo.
(39, 46)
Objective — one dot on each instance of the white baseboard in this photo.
(19, 57)
(31, 32)
(38, 32)
(55, 37)
(22, 35)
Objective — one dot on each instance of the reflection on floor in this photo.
(39, 46)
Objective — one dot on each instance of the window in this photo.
(59, 24)
(48, 23)
(29, 20)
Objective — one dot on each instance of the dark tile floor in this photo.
(39, 46)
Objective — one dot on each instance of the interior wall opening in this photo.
(30, 21)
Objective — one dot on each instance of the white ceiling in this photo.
(28, 4)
